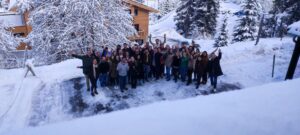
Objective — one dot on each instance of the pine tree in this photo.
(247, 27)
(222, 39)
(205, 19)
(285, 12)
(166, 7)
(184, 17)
(293, 11)
(61, 26)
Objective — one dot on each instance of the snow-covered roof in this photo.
(294, 29)
(140, 5)
(11, 19)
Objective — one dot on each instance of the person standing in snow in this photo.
(122, 69)
(168, 64)
(190, 68)
(140, 69)
(157, 41)
(87, 62)
(175, 66)
(147, 64)
(93, 75)
(214, 68)
(114, 60)
(133, 72)
(184, 62)
(103, 70)
(201, 69)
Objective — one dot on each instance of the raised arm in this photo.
(165, 39)
(213, 52)
(77, 56)
(150, 40)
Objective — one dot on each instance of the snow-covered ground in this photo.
(271, 109)
(59, 94)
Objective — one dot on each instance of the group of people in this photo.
(136, 65)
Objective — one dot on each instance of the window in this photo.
(129, 11)
(137, 27)
(19, 34)
(136, 11)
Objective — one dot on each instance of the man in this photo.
(87, 63)
(157, 41)
(122, 69)
(103, 70)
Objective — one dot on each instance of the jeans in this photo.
(175, 71)
(213, 80)
(168, 73)
(87, 79)
(122, 82)
(183, 73)
(103, 79)
(146, 72)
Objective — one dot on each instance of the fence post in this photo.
(274, 57)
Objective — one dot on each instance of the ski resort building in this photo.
(19, 22)
(140, 13)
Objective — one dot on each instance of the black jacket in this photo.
(87, 62)
(103, 67)
(176, 62)
(214, 67)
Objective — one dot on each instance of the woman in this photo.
(201, 69)
(190, 69)
(168, 64)
(184, 66)
(175, 65)
(93, 75)
(140, 70)
(214, 69)
(146, 65)
(133, 73)
(113, 70)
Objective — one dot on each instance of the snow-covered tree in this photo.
(24, 5)
(7, 43)
(222, 39)
(166, 7)
(247, 27)
(205, 18)
(184, 17)
(61, 26)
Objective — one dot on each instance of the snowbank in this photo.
(266, 110)
(294, 29)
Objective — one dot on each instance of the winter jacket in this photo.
(122, 69)
(147, 59)
(103, 67)
(113, 68)
(191, 63)
(176, 62)
(201, 66)
(157, 57)
(214, 67)
(184, 62)
(169, 60)
(133, 70)
(87, 62)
